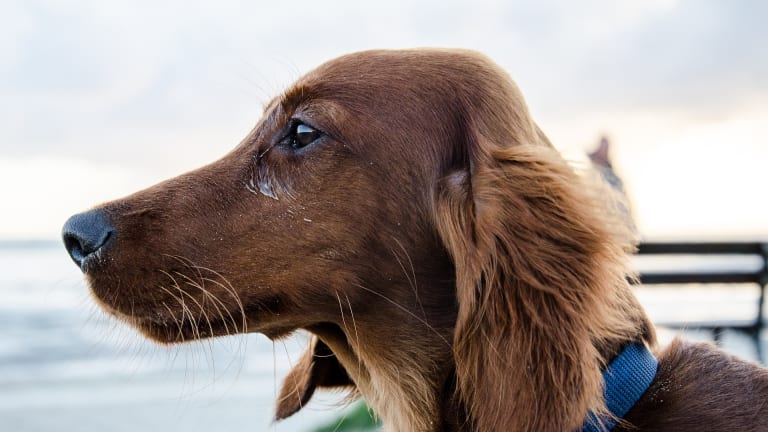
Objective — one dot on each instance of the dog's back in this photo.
(699, 387)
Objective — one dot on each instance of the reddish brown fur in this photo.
(454, 270)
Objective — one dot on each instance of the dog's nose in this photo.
(85, 234)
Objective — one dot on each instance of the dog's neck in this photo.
(404, 395)
(402, 370)
(407, 372)
(402, 390)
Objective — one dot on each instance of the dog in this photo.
(454, 270)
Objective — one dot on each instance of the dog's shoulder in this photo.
(700, 387)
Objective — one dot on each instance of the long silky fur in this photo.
(541, 283)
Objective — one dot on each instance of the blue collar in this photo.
(626, 379)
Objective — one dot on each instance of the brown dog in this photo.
(403, 207)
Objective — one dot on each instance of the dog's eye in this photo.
(302, 135)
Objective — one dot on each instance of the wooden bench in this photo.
(757, 275)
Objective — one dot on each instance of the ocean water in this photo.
(64, 365)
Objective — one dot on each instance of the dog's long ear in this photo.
(317, 368)
(540, 274)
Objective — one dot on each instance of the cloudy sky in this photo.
(100, 98)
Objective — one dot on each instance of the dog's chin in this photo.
(173, 332)
(166, 329)
(166, 326)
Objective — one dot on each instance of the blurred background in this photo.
(101, 98)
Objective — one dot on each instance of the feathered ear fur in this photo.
(541, 284)
(318, 367)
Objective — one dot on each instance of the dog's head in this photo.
(403, 207)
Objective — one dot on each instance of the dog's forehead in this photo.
(381, 82)
(399, 71)
(379, 62)
(406, 96)
(407, 58)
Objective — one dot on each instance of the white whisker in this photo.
(412, 281)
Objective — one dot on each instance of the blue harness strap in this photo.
(626, 380)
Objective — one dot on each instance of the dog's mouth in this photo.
(170, 321)
(191, 322)
(183, 329)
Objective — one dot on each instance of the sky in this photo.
(102, 98)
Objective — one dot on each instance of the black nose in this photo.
(85, 234)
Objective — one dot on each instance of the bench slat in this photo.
(699, 248)
(687, 278)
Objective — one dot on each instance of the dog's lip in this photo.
(158, 317)
(141, 312)
(159, 314)
(166, 328)
(154, 318)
